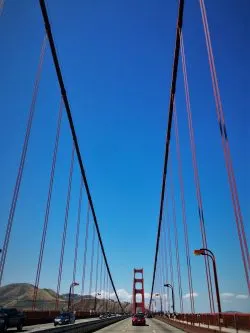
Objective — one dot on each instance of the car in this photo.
(138, 319)
(11, 317)
(65, 318)
(102, 316)
(149, 315)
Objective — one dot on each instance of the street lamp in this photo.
(153, 309)
(157, 294)
(97, 294)
(73, 284)
(110, 305)
(208, 253)
(171, 287)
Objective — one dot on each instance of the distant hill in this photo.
(20, 295)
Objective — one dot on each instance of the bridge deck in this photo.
(152, 326)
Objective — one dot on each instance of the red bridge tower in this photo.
(138, 306)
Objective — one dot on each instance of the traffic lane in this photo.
(152, 326)
(41, 327)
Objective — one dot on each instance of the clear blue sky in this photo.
(116, 59)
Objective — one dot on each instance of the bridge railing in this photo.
(233, 320)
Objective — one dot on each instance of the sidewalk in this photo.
(212, 327)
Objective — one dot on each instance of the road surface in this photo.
(152, 326)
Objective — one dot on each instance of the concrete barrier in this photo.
(43, 317)
(87, 327)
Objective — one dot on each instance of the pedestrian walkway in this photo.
(212, 327)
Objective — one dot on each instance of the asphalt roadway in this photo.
(152, 326)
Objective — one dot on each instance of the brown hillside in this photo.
(20, 295)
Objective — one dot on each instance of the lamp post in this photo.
(171, 287)
(206, 252)
(97, 294)
(73, 284)
(151, 308)
(110, 305)
(157, 294)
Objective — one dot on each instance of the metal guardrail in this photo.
(233, 320)
(208, 322)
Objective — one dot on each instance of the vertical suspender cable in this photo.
(73, 133)
(104, 288)
(226, 150)
(166, 258)
(176, 240)
(97, 269)
(101, 281)
(47, 212)
(22, 161)
(184, 218)
(65, 227)
(196, 175)
(162, 281)
(77, 235)
(92, 260)
(109, 297)
(163, 270)
(170, 251)
(107, 288)
(168, 136)
(85, 257)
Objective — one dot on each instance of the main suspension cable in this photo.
(169, 126)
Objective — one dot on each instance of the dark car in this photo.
(102, 316)
(11, 317)
(149, 315)
(105, 315)
(138, 319)
(65, 318)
